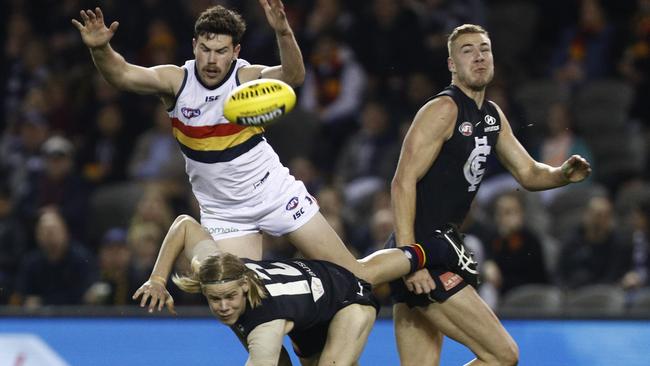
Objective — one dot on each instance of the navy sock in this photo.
(416, 255)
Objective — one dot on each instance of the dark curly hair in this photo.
(219, 20)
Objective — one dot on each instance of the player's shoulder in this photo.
(170, 70)
(171, 75)
(494, 106)
(441, 105)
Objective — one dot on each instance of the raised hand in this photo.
(275, 15)
(576, 168)
(93, 30)
(157, 293)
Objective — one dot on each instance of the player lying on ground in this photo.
(324, 308)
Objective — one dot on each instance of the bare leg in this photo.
(419, 342)
(247, 246)
(347, 335)
(317, 240)
(466, 318)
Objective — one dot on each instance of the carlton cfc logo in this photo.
(466, 129)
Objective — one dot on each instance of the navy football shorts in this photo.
(447, 283)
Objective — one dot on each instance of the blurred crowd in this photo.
(91, 178)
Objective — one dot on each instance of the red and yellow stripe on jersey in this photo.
(198, 124)
(216, 143)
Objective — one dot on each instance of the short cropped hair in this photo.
(219, 20)
(464, 29)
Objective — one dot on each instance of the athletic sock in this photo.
(416, 256)
(435, 255)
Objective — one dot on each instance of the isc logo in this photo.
(211, 98)
(299, 213)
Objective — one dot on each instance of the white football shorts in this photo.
(283, 206)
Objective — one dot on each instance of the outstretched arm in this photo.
(531, 174)
(163, 80)
(292, 68)
(187, 235)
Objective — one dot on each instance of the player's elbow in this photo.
(184, 221)
(296, 76)
(296, 80)
(528, 178)
(526, 183)
(401, 184)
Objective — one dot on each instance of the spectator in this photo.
(437, 19)
(635, 62)
(330, 200)
(60, 115)
(153, 208)
(58, 186)
(381, 227)
(26, 72)
(156, 156)
(368, 160)
(118, 279)
(325, 15)
(514, 255)
(161, 45)
(585, 50)
(594, 253)
(560, 143)
(304, 170)
(388, 40)
(638, 260)
(144, 239)
(20, 151)
(105, 154)
(57, 273)
(333, 89)
(419, 88)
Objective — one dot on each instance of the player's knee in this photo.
(361, 317)
(509, 354)
(506, 353)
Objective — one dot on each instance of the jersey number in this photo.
(279, 289)
(278, 269)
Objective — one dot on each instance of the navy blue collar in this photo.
(225, 78)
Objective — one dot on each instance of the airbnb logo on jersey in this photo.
(475, 165)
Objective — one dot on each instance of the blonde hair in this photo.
(464, 29)
(220, 269)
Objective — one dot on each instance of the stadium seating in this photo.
(604, 300)
(541, 300)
